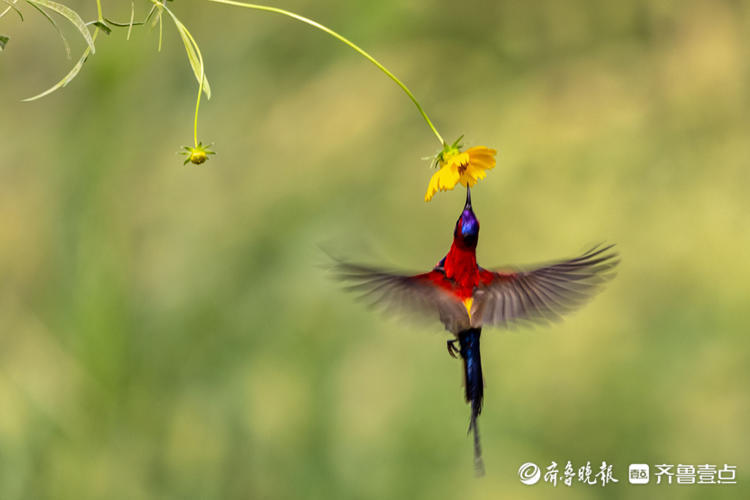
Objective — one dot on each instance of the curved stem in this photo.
(347, 42)
(200, 85)
(198, 102)
(202, 71)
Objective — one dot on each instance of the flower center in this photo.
(198, 157)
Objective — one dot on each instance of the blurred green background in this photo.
(172, 332)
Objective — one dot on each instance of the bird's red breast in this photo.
(462, 269)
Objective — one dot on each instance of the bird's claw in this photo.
(452, 349)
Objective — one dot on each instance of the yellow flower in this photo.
(196, 155)
(466, 167)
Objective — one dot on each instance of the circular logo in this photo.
(529, 473)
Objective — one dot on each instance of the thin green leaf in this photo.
(71, 16)
(62, 83)
(11, 6)
(132, 16)
(54, 25)
(3, 40)
(7, 9)
(106, 29)
(193, 54)
(122, 25)
(150, 13)
(158, 9)
(195, 61)
(158, 16)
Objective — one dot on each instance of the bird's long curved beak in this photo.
(468, 199)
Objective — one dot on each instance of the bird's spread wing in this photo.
(543, 294)
(425, 294)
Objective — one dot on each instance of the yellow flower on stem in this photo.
(466, 167)
(196, 155)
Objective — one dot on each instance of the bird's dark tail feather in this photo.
(474, 383)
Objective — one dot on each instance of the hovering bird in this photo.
(466, 297)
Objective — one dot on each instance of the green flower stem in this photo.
(198, 101)
(347, 42)
(202, 73)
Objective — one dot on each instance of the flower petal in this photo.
(482, 157)
(456, 159)
(472, 174)
(484, 165)
(448, 178)
(475, 172)
(481, 150)
(432, 188)
(443, 180)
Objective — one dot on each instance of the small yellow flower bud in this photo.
(197, 155)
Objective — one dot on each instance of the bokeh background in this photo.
(172, 332)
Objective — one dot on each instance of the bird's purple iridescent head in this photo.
(467, 226)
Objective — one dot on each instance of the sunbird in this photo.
(466, 297)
